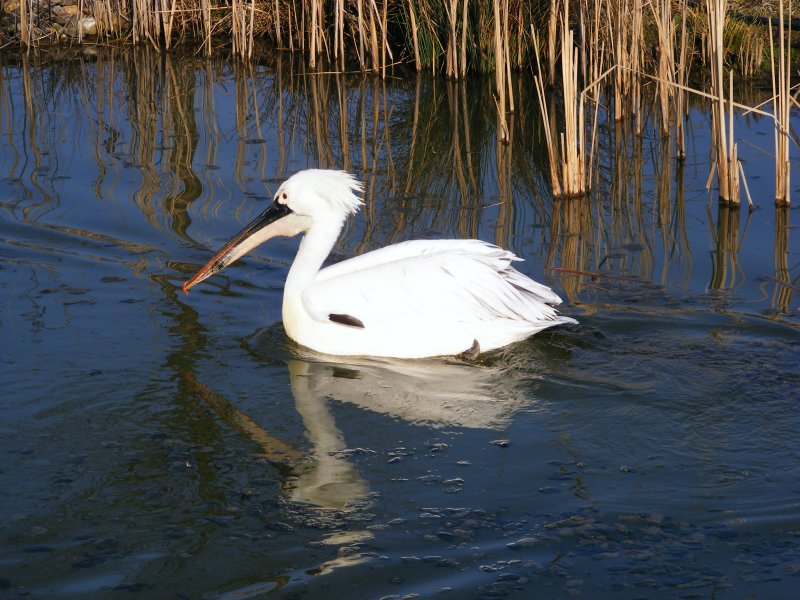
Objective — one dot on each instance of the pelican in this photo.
(415, 299)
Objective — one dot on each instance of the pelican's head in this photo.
(308, 197)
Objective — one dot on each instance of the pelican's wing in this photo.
(437, 250)
(465, 281)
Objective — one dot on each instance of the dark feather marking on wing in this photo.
(348, 320)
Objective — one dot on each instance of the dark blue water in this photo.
(157, 445)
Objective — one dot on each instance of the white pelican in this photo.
(415, 299)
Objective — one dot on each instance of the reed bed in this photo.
(419, 144)
(601, 55)
(452, 37)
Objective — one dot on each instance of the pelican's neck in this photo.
(314, 248)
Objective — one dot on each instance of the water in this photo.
(167, 446)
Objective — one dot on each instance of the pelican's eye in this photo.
(281, 198)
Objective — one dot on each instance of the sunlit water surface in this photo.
(182, 447)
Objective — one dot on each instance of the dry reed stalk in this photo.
(80, 14)
(636, 53)
(205, 6)
(452, 55)
(146, 22)
(414, 31)
(373, 37)
(276, 19)
(520, 63)
(619, 58)
(292, 18)
(592, 91)
(627, 51)
(582, 39)
(101, 11)
(338, 38)
(552, 36)
(385, 45)
(500, 72)
(300, 26)
(24, 28)
(360, 48)
(662, 15)
(552, 154)
(683, 80)
(781, 103)
(312, 38)
(592, 59)
(572, 139)
(250, 39)
(167, 21)
(570, 164)
(726, 163)
(242, 28)
(507, 57)
(464, 38)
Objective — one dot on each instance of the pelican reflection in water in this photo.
(429, 393)
(416, 299)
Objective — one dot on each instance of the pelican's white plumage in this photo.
(410, 300)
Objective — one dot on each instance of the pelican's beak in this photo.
(277, 220)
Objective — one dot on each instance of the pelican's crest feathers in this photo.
(338, 188)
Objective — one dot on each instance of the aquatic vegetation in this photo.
(596, 54)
